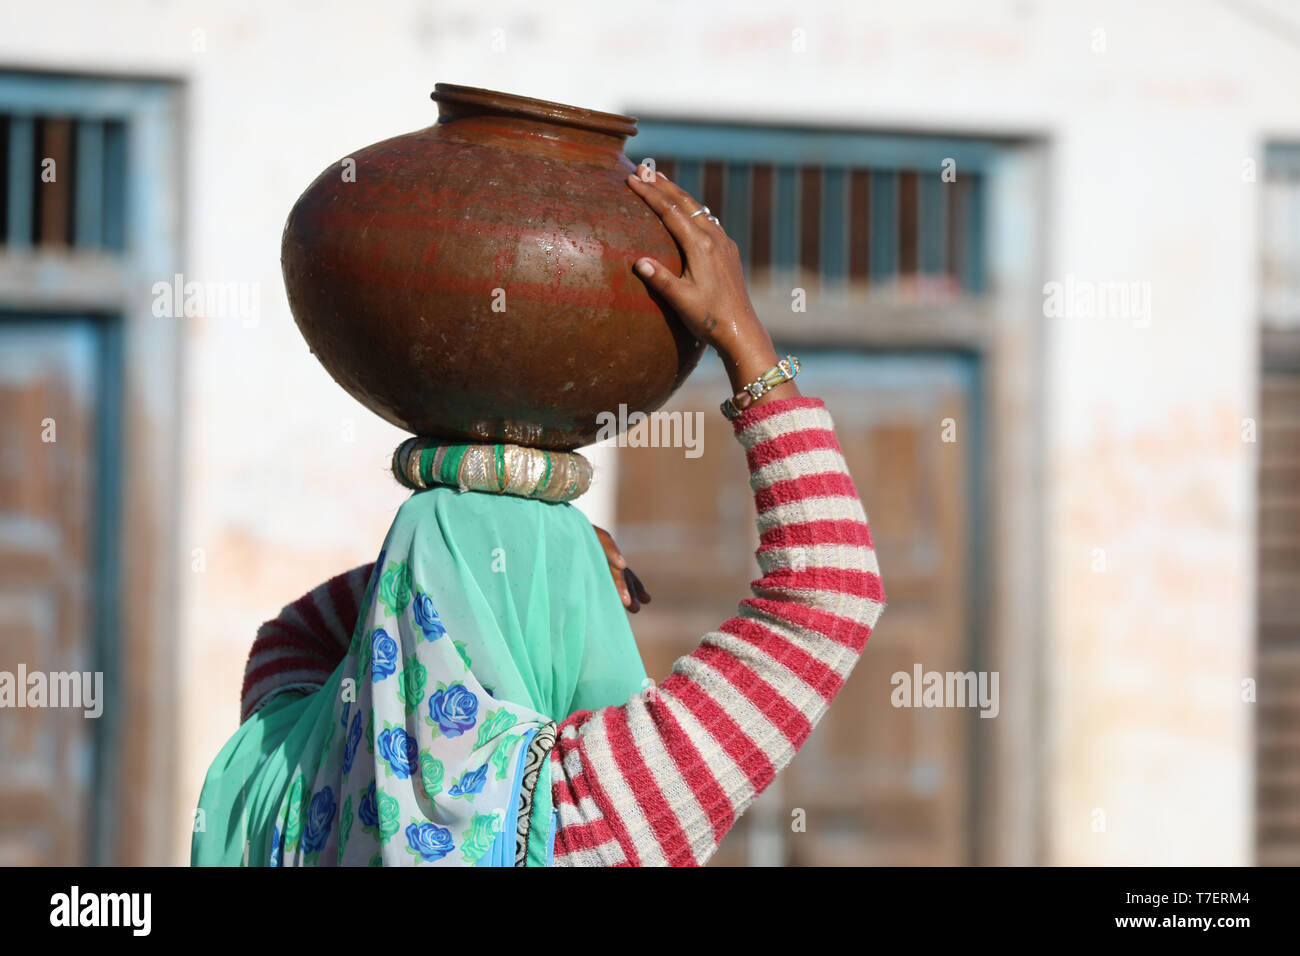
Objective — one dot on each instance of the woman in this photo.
(531, 741)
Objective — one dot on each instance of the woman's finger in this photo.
(674, 289)
(620, 583)
(680, 195)
(619, 571)
(637, 587)
(632, 602)
(689, 202)
(675, 213)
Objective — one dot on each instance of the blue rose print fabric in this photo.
(424, 773)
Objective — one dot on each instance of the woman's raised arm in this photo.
(660, 779)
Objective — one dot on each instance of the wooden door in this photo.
(877, 784)
(48, 374)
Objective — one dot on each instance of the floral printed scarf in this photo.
(486, 620)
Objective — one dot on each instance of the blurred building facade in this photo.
(1041, 259)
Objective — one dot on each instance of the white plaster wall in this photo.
(1147, 140)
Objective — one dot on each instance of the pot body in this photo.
(473, 280)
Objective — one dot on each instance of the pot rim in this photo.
(512, 104)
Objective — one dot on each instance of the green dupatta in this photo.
(487, 619)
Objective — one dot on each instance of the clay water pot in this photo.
(473, 280)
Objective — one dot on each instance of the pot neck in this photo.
(574, 123)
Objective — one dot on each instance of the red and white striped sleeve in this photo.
(659, 780)
(302, 646)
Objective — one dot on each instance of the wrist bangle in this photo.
(783, 371)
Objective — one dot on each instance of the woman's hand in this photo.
(709, 296)
(630, 588)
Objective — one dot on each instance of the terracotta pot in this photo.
(474, 280)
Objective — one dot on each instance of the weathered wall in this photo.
(1148, 122)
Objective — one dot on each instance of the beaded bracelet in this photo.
(783, 371)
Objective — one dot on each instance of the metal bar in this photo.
(115, 186)
(835, 226)
(859, 225)
(763, 191)
(22, 181)
(738, 204)
(884, 225)
(88, 215)
(690, 176)
(933, 223)
(974, 274)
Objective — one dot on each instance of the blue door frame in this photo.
(126, 216)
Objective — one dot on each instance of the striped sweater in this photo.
(661, 779)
